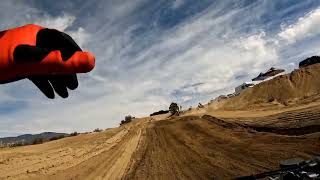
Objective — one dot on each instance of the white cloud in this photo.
(177, 3)
(137, 72)
(255, 43)
(81, 36)
(307, 26)
(292, 64)
(60, 23)
(186, 98)
(63, 22)
(257, 49)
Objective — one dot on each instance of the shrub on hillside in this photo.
(159, 112)
(174, 109)
(74, 133)
(16, 144)
(97, 130)
(127, 119)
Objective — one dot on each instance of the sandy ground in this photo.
(102, 155)
(290, 89)
(196, 145)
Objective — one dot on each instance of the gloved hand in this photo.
(49, 58)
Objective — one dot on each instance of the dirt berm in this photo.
(200, 144)
(285, 90)
(187, 147)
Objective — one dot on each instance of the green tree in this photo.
(174, 108)
(74, 133)
(97, 130)
(127, 119)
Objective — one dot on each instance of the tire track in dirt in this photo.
(46, 157)
(104, 155)
(188, 147)
(293, 123)
(195, 148)
(109, 163)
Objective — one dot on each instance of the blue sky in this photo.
(150, 53)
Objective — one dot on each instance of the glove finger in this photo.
(59, 86)
(43, 84)
(52, 39)
(53, 48)
(80, 62)
(69, 81)
(55, 40)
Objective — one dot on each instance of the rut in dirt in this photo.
(209, 148)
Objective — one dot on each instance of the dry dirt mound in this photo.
(189, 147)
(103, 155)
(282, 90)
(205, 147)
(297, 122)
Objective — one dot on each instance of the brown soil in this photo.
(187, 147)
(206, 147)
(284, 90)
(218, 141)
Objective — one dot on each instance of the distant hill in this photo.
(299, 84)
(29, 138)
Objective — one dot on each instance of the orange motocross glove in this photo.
(49, 58)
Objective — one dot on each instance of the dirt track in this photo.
(190, 147)
(102, 155)
(197, 148)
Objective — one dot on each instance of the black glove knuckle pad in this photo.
(50, 40)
